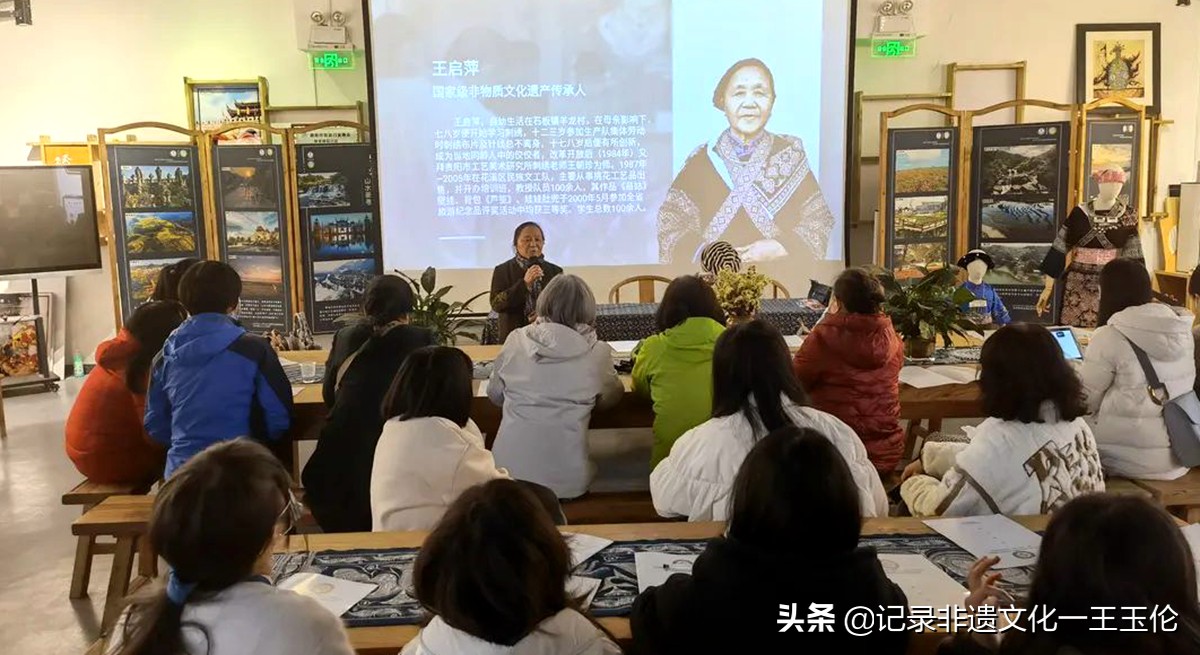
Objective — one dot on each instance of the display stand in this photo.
(172, 157)
(336, 223)
(251, 224)
(935, 138)
(46, 379)
(1017, 225)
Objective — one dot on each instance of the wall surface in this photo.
(1041, 32)
(86, 64)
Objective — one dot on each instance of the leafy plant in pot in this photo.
(930, 307)
(446, 320)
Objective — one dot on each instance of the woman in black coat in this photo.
(792, 538)
(517, 282)
(362, 363)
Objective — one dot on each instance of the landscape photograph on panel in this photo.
(252, 231)
(921, 218)
(262, 275)
(142, 275)
(342, 235)
(154, 187)
(1016, 263)
(248, 187)
(160, 233)
(342, 280)
(925, 170)
(908, 260)
(1010, 171)
(322, 190)
(1015, 220)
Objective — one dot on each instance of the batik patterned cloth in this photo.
(393, 604)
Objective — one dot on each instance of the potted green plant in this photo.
(446, 320)
(927, 308)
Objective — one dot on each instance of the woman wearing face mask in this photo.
(749, 186)
(517, 283)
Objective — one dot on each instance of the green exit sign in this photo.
(332, 60)
(894, 48)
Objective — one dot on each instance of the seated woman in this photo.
(548, 378)
(431, 450)
(105, 438)
(1127, 420)
(1034, 453)
(216, 522)
(493, 574)
(362, 364)
(674, 367)
(1099, 551)
(755, 392)
(793, 532)
(166, 285)
(517, 283)
(850, 365)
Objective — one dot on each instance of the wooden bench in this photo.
(1181, 497)
(1123, 487)
(614, 507)
(125, 518)
(89, 494)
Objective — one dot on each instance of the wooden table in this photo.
(390, 639)
(633, 411)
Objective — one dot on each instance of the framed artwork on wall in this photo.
(1119, 60)
(213, 104)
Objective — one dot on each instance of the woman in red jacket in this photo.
(105, 437)
(850, 365)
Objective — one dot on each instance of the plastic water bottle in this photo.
(78, 365)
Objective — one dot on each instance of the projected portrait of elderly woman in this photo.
(749, 187)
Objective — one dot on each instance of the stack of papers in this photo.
(334, 594)
(992, 536)
(583, 547)
(924, 377)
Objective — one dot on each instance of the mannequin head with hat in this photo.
(977, 263)
(1110, 180)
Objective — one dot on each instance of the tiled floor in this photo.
(36, 547)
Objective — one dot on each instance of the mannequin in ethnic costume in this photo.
(750, 187)
(1097, 232)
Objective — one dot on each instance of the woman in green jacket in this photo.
(674, 367)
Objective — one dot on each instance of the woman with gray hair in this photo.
(548, 378)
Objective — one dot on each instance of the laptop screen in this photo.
(1067, 341)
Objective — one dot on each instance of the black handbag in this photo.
(1182, 414)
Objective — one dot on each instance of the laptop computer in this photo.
(1067, 341)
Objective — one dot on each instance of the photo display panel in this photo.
(1113, 142)
(157, 214)
(1019, 191)
(339, 219)
(253, 231)
(922, 199)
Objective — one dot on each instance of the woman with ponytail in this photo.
(363, 361)
(215, 523)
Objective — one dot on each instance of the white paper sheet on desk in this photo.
(925, 377)
(1192, 534)
(923, 583)
(992, 535)
(583, 546)
(581, 587)
(334, 594)
(793, 340)
(653, 569)
(297, 390)
(622, 349)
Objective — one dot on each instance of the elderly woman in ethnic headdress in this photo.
(749, 186)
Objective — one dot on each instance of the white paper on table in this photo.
(924, 377)
(297, 390)
(583, 546)
(623, 349)
(581, 587)
(653, 569)
(1192, 534)
(992, 535)
(285, 361)
(334, 594)
(793, 340)
(923, 583)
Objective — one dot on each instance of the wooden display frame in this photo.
(1019, 67)
(954, 118)
(194, 138)
(1131, 109)
(297, 253)
(191, 84)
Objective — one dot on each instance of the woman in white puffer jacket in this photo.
(1128, 424)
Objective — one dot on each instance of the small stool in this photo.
(88, 495)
